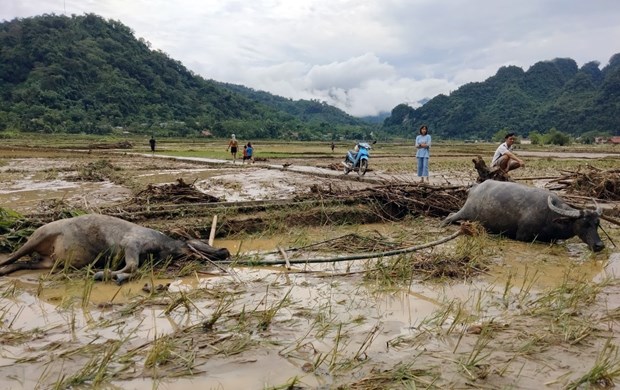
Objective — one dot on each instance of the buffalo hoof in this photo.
(121, 278)
(102, 276)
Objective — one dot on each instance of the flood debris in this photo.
(395, 200)
(255, 261)
(99, 170)
(591, 182)
(14, 230)
(332, 166)
(353, 242)
(486, 173)
(179, 192)
(112, 145)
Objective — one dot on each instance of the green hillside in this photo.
(551, 94)
(85, 74)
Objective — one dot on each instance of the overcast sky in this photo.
(363, 56)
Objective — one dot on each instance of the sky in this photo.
(362, 56)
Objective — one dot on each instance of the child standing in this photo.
(250, 151)
(245, 153)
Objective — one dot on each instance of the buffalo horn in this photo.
(599, 209)
(572, 213)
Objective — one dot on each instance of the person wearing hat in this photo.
(504, 158)
(232, 145)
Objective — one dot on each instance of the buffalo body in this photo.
(528, 214)
(95, 239)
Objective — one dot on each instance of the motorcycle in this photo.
(357, 160)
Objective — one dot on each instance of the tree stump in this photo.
(486, 173)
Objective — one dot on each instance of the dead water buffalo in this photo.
(527, 214)
(94, 238)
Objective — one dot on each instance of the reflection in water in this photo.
(543, 266)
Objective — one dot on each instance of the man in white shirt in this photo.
(504, 158)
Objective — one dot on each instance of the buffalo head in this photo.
(584, 222)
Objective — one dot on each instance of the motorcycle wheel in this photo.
(347, 170)
(363, 167)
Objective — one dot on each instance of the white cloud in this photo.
(350, 73)
(364, 56)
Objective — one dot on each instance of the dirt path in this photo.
(372, 177)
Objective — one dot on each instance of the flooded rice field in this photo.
(473, 312)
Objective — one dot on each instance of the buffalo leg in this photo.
(44, 263)
(132, 261)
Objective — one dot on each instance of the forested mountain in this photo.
(87, 74)
(551, 94)
(307, 110)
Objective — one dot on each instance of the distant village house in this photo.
(604, 140)
(614, 140)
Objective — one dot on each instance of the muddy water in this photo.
(27, 196)
(188, 175)
(61, 313)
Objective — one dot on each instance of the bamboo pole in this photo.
(344, 258)
(212, 234)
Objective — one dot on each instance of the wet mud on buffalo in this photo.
(95, 238)
(528, 214)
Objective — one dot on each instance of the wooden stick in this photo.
(610, 219)
(364, 256)
(212, 234)
(287, 262)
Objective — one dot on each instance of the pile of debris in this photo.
(179, 192)
(592, 182)
(115, 145)
(400, 199)
(96, 171)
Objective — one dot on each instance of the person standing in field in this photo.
(423, 146)
(232, 145)
(250, 151)
(245, 153)
(152, 143)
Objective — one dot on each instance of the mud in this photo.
(317, 326)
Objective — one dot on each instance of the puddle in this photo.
(399, 315)
(543, 266)
(255, 184)
(192, 175)
(27, 195)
